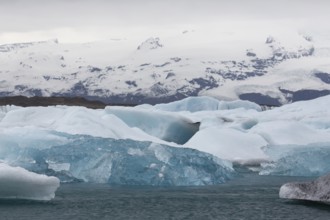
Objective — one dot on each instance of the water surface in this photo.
(249, 197)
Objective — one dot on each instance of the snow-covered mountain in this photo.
(264, 67)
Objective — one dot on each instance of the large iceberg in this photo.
(120, 162)
(18, 183)
(318, 190)
(290, 138)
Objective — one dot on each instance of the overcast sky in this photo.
(88, 20)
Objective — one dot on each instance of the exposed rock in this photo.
(48, 101)
(150, 44)
(270, 40)
(318, 190)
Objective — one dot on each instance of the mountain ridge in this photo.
(157, 70)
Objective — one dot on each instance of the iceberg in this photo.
(203, 103)
(18, 183)
(318, 190)
(164, 125)
(297, 160)
(120, 162)
(110, 145)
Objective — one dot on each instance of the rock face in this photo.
(49, 101)
(318, 190)
(150, 44)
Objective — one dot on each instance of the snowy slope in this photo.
(263, 66)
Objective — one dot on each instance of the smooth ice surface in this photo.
(164, 125)
(318, 190)
(18, 183)
(120, 162)
(218, 140)
(71, 120)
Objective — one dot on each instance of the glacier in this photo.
(18, 183)
(317, 190)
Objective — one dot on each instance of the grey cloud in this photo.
(22, 14)
(36, 15)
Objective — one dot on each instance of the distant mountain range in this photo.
(267, 69)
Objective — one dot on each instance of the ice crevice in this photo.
(164, 125)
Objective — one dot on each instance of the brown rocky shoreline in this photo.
(50, 101)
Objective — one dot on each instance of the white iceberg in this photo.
(242, 134)
(318, 190)
(235, 131)
(18, 183)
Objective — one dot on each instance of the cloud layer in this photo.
(87, 20)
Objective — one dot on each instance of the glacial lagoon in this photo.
(249, 196)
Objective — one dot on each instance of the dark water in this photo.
(250, 197)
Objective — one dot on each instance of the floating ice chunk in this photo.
(18, 183)
(231, 130)
(318, 190)
(298, 160)
(195, 104)
(116, 162)
(121, 162)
